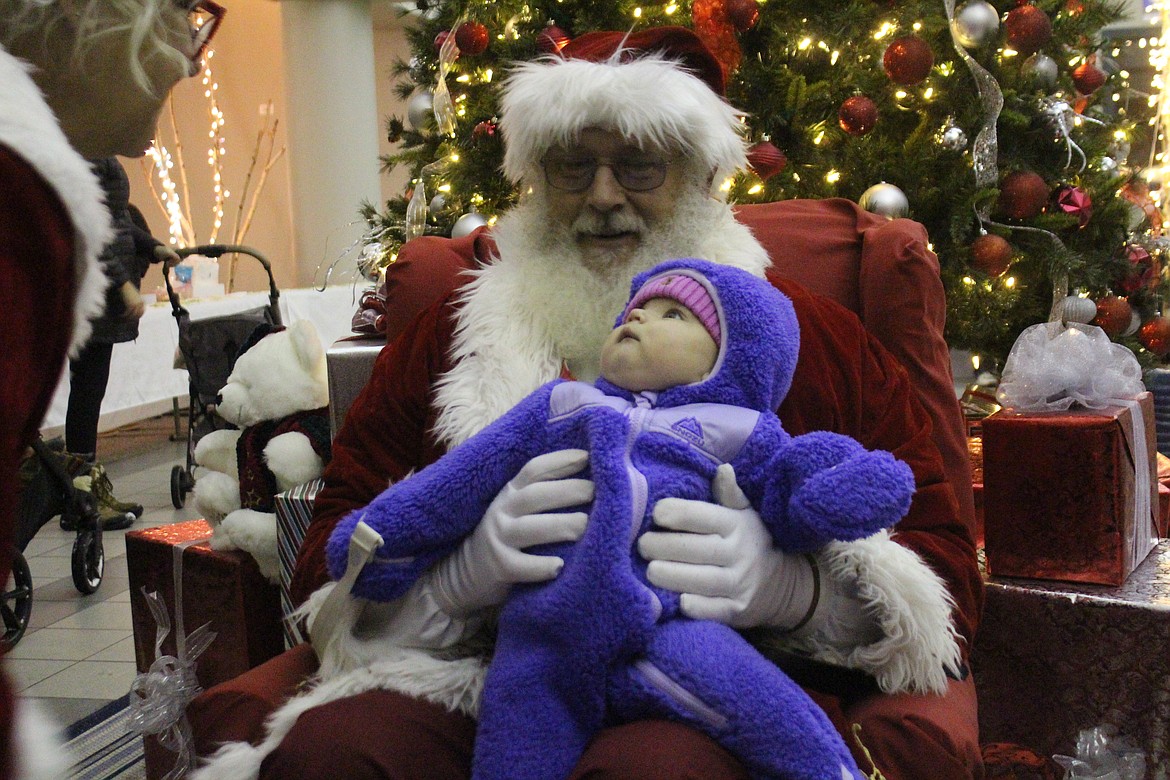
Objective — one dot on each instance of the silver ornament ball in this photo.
(886, 200)
(420, 110)
(1042, 71)
(467, 223)
(952, 138)
(1074, 308)
(975, 24)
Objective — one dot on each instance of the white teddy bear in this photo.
(278, 395)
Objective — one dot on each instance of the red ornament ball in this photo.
(743, 14)
(1028, 29)
(1075, 202)
(908, 60)
(472, 38)
(858, 115)
(1142, 270)
(1154, 335)
(1022, 195)
(551, 40)
(1087, 77)
(766, 160)
(484, 130)
(440, 39)
(991, 254)
(1113, 315)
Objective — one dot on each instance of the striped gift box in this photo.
(294, 509)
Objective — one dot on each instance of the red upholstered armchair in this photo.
(879, 268)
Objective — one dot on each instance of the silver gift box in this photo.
(349, 363)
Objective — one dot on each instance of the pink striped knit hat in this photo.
(686, 290)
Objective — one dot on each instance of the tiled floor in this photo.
(78, 652)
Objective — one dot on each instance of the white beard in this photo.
(543, 301)
(582, 295)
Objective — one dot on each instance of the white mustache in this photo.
(594, 224)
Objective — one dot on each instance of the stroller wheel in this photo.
(89, 561)
(181, 484)
(17, 604)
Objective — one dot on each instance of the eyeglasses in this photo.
(576, 174)
(204, 17)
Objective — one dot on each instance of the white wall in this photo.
(249, 67)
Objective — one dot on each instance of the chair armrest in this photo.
(235, 710)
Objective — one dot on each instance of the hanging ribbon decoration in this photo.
(1062, 117)
(985, 150)
(985, 159)
(159, 697)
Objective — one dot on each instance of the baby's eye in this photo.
(673, 314)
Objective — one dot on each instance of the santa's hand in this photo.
(523, 514)
(721, 559)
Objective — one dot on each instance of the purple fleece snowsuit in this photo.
(599, 644)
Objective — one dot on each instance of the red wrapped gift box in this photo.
(1061, 492)
(224, 588)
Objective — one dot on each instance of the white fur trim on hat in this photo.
(548, 102)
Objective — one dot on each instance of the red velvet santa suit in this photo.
(52, 225)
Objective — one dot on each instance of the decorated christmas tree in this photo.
(1004, 128)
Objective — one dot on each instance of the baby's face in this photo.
(660, 345)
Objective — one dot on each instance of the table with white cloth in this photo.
(143, 378)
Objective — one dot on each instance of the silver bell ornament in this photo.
(1119, 149)
(976, 24)
(1109, 165)
(886, 200)
(420, 110)
(1042, 71)
(1074, 308)
(951, 137)
(467, 223)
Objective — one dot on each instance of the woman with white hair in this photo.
(78, 79)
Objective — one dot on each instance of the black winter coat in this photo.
(125, 259)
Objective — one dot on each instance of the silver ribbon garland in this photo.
(160, 695)
(985, 153)
(985, 150)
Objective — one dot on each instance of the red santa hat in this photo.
(659, 86)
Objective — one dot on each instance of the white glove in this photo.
(720, 557)
(484, 568)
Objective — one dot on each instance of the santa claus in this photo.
(619, 147)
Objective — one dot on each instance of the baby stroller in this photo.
(48, 491)
(209, 348)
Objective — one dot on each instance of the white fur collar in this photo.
(501, 351)
(28, 127)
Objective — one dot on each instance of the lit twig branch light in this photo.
(1160, 102)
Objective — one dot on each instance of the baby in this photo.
(698, 360)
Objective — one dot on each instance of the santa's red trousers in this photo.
(36, 322)
(382, 734)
